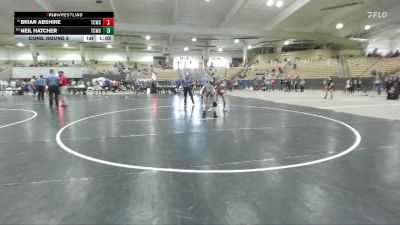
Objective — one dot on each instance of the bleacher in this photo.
(167, 74)
(387, 65)
(162, 74)
(233, 71)
(4, 67)
(262, 68)
(99, 68)
(220, 72)
(5, 71)
(361, 66)
(314, 68)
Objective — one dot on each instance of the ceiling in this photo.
(216, 23)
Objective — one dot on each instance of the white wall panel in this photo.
(24, 54)
(28, 72)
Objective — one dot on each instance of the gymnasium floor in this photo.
(371, 105)
(143, 159)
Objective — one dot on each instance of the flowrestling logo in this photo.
(377, 15)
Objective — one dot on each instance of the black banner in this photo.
(57, 30)
(57, 22)
(55, 15)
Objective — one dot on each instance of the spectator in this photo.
(354, 85)
(347, 88)
(302, 84)
(63, 88)
(3, 86)
(13, 84)
(288, 84)
(393, 89)
(32, 86)
(105, 86)
(378, 84)
(273, 83)
(359, 85)
(329, 88)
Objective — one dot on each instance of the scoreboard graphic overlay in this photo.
(64, 26)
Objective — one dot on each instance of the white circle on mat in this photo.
(34, 114)
(149, 99)
(176, 170)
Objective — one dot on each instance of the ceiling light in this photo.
(287, 42)
(19, 44)
(220, 49)
(66, 45)
(339, 26)
(149, 47)
(208, 0)
(367, 27)
(148, 37)
(359, 39)
(236, 41)
(185, 49)
(249, 47)
(194, 39)
(109, 46)
(279, 3)
(270, 3)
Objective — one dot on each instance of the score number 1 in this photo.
(108, 21)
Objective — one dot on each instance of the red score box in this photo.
(108, 21)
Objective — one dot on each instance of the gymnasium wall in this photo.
(110, 56)
(193, 60)
(5, 74)
(90, 77)
(28, 72)
(384, 46)
(104, 56)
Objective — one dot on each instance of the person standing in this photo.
(33, 86)
(3, 87)
(105, 86)
(219, 89)
(347, 88)
(359, 84)
(378, 84)
(273, 83)
(63, 81)
(329, 88)
(354, 85)
(187, 87)
(53, 87)
(208, 93)
(302, 84)
(40, 87)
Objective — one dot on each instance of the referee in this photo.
(53, 85)
(187, 87)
